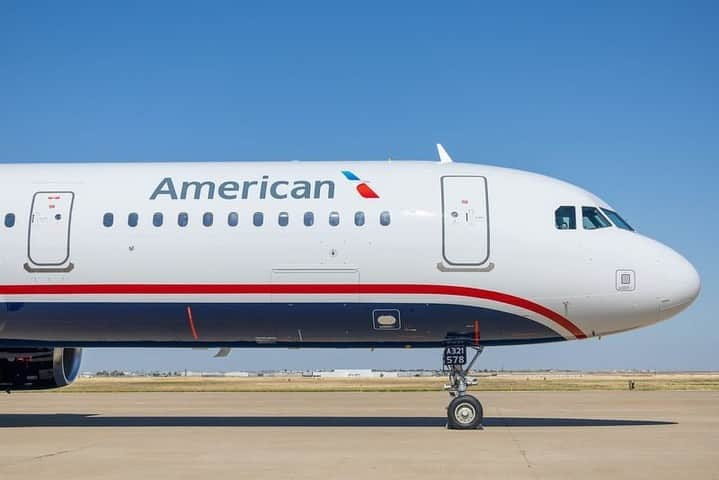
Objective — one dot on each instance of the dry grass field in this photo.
(516, 381)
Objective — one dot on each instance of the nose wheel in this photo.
(464, 411)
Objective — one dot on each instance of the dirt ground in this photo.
(515, 381)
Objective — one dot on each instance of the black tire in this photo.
(464, 413)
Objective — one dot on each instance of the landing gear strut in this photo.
(464, 411)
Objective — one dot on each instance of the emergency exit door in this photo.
(465, 220)
(49, 234)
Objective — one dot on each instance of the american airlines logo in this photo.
(362, 188)
(265, 187)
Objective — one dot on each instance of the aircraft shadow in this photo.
(91, 420)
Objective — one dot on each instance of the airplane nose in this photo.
(685, 287)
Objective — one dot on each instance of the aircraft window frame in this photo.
(283, 219)
(258, 219)
(108, 219)
(157, 219)
(617, 219)
(208, 218)
(233, 219)
(359, 218)
(183, 219)
(308, 219)
(603, 221)
(572, 217)
(385, 218)
(133, 218)
(334, 218)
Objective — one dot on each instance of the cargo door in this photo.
(49, 233)
(465, 220)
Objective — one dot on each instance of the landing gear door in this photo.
(465, 220)
(49, 233)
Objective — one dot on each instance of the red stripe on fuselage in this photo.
(290, 289)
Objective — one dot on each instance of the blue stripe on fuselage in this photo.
(247, 324)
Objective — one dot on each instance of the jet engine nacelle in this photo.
(38, 368)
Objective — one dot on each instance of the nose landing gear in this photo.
(464, 411)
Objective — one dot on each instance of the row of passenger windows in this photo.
(9, 220)
(565, 218)
(233, 219)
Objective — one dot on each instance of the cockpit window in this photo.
(617, 220)
(592, 218)
(565, 218)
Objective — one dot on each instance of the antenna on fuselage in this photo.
(443, 155)
(223, 352)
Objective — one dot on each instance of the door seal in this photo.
(442, 267)
(66, 269)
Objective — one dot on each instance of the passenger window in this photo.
(359, 218)
(617, 220)
(132, 219)
(283, 219)
(10, 220)
(207, 219)
(593, 219)
(182, 219)
(334, 219)
(384, 218)
(309, 219)
(565, 218)
(108, 219)
(157, 219)
(258, 219)
(233, 219)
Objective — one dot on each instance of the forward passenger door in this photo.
(465, 220)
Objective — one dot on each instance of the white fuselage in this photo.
(446, 251)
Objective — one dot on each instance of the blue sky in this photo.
(621, 98)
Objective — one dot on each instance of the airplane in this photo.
(410, 254)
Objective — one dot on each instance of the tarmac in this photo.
(625, 434)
